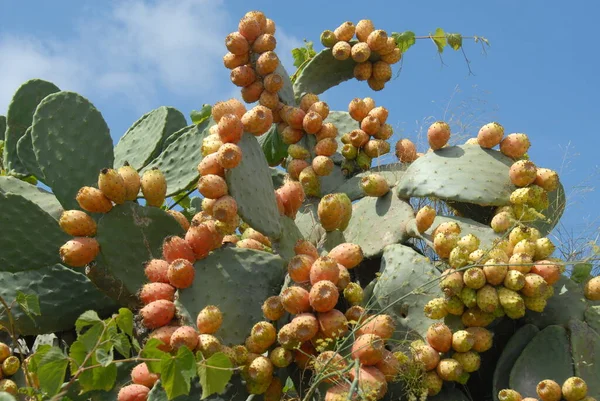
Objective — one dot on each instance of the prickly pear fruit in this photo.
(324, 268)
(142, 376)
(295, 300)
(522, 173)
(502, 221)
(77, 223)
(229, 155)
(299, 268)
(462, 341)
(292, 195)
(112, 185)
(487, 299)
(459, 257)
(548, 270)
(509, 395)
(200, 238)
(515, 145)
(209, 320)
(267, 63)
(490, 135)
(333, 324)
(181, 273)
(547, 179)
(225, 208)
(154, 291)
(451, 282)
(483, 338)
(330, 212)
(272, 308)
(185, 336)
(154, 187)
(424, 218)
(280, 357)
(323, 296)
(322, 166)
(177, 248)
(468, 296)
(574, 388)
(495, 272)
(131, 181)
(353, 293)
(591, 289)
(406, 151)
(510, 300)
(436, 309)
(208, 345)
(514, 280)
(449, 369)
(475, 317)
(438, 135)
(181, 219)
(310, 182)
(439, 336)
(549, 390)
(250, 243)
(443, 243)
(212, 186)
(133, 392)
(380, 325)
(432, 383)
(374, 185)
(158, 313)
(368, 348)
(535, 285)
(347, 254)
(543, 248)
(79, 251)
(164, 334)
(93, 200)
(470, 360)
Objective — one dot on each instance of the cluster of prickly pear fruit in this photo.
(9, 366)
(374, 52)
(573, 389)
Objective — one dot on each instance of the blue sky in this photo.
(538, 77)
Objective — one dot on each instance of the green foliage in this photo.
(439, 38)
(404, 40)
(198, 116)
(214, 372)
(454, 40)
(273, 147)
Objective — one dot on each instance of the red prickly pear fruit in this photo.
(380, 325)
(295, 167)
(515, 145)
(363, 29)
(242, 76)
(295, 300)
(264, 43)
(330, 212)
(323, 296)
(112, 185)
(355, 314)
(307, 100)
(184, 336)
(230, 128)
(212, 186)
(591, 290)
(548, 270)
(225, 208)
(547, 179)
(330, 362)
(156, 271)
(210, 165)
(368, 349)
(439, 337)
(131, 181)
(236, 43)
(487, 299)
(305, 326)
(358, 138)
(250, 233)
(483, 338)
(304, 247)
(264, 334)
(181, 219)
(292, 195)
(522, 173)
(154, 291)
(462, 341)
(406, 151)
(158, 313)
(322, 166)
(181, 273)
(324, 268)
(231, 106)
(267, 63)
(154, 187)
(274, 391)
(376, 147)
(294, 117)
(370, 381)
(390, 366)
(377, 40)
(93, 200)
(424, 218)
(250, 243)
(549, 390)
(495, 272)
(177, 248)
(305, 355)
(142, 376)
(449, 369)
(535, 285)
(509, 395)
(490, 135)
(164, 334)
(77, 223)
(347, 254)
(299, 268)
(209, 320)
(229, 155)
(291, 135)
(333, 324)
(312, 122)
(385, 132)
(382, 72)
(343, 278)
(438, 135)
(79, 251)
(281, 357)
(133, 392)
(200, 239)
(216, 236)
(231, 239)
(326, 147)
(374, 185)
(425, 355)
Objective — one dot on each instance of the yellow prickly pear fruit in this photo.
(154, 187)
(131, 179)
(112, 185)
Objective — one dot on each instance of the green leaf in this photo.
(121, 343)
(274, 148)
(439, 38)
(125, 321)
(29, 303)
(92, 336)
(151, 351)
(198, 116)
(87, 319)
(302, 54)
(182, 199)
(177, 371)
(581, 272)
(404, 40)
(98, 378)
(104, 357)
(51, 370)
(454, 40)
(214, 372)
(289, 385)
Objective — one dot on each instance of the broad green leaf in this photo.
(86, 319)
(581, 272)
(404, 40)
(98, 378)
(51, 370)
(177, 371)
(454, 40)
(198, 116)
(125, 321)
(183, 199)
(41, 351)
(151, 351)
(122, 345)
(214, 372)
(302, 54)
(29, 303)
(289, 385)
(274, 148)
(104, 357)
(91, 337)
(439, 37)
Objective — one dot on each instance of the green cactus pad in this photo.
(460, 173)
(19, 117)
(323, 72)
(130, 235)
(228, 278)
(144, 140)
(403, 270)
(290, 234)
(44, 199)
(509, 356)
(27, 155)
(567, 303)
(547, 356)
(330, 183)
(330, 240)
(273, 147)
(2, 126)
(31, 238)
(72, 144)
(344, 124)
(56, 286)
(173, 137)
(179, 162)
(307, 220)
(391, 172)
(592, 317)
(558, 202)
(286, 94)
(251, 186)
(585, 347)
(387, 216)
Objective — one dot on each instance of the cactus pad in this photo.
(30, 236)
(72, 144)
(307, 221)
(387, 216)
(290, 234)
(144, 140)
(391, 172)
(251, 186)
(130, 235)
(557, 203)
(286, 94)
(19, 117)
(330, 183)
(547, 356)
(585, 347)
(180, 160)
(57, 287)
(27, 155)
(464, 173)
(171, 138)
(592, 317)
(44, 199)
(228, 278)
(403, 270)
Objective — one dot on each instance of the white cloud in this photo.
(132, 52)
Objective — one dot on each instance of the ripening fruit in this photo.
(141, 375)
(368, 348)
(212, 186)
(295, 300)
(79, 251)
(272, 308)
(322, 166)
(345, 32)
(231, 106)
(299, 268)
(131, 180)
(438, 135)
(522, 173)
(154, 187)
(236, 43)
(181, 273)
(483, 338)
(258, 120)
(375, 84)
(185, 336)
(231, 61)
(264, 43)
(515, 145)
(112, 185)
(424, 218)
(323, 296)
(229, 155)
(249, 27)
(549, 390)
(267, 63)
(490, 135)
(360, 52)
(406, 151)
(209, 320)
(374, 185)
(341, 51)
(380, 325)
(509, 395)
(324, 268)
(151, 292)
(158, 313)
(377, 40)
(328, 39)
(591, 289)
(547, 179)
(347, 254)
(93, 200)
(574, 389)
(333, 324)
(175, 247)
(273, 82)
(133, 392)
(230, 128)
(363, 71)
(242, 76)
(77, 223)
(181, 219)
(382, 72)
(156, 271)
(312, 122)
(439, 336)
